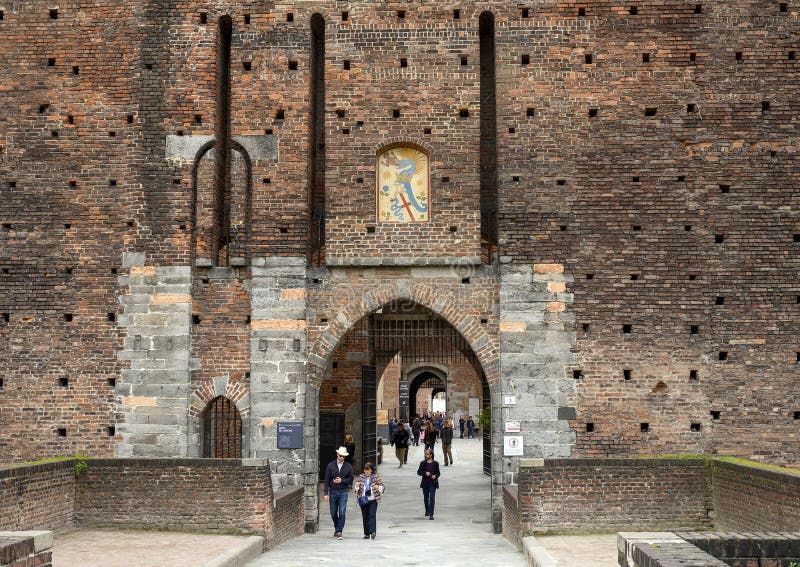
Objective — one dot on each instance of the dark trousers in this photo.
(461, 429)
(368, 514)
(429, 497)
(430, 445)
(338, 502)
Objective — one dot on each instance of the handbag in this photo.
(363, 501)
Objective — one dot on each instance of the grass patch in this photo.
(756, 464)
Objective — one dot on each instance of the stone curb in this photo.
(240, 555)
(537, 555)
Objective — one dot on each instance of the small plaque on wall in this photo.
(512, 446)
(290, 435)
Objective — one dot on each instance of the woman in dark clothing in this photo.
(430, 437)
(429, 471)
(370, 486)
(351, 448)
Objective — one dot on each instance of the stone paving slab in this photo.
(112, 548)
(581, 550)
(459, 535)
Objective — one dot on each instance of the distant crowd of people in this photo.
(368, 486)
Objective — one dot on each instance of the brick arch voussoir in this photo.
(444, 306)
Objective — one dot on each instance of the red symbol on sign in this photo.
(407, 206)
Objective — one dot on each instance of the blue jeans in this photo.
(338, 502)
(429, 496)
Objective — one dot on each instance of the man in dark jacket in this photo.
(429, 471)
(338, 481)
(447, 442)
(401, 442)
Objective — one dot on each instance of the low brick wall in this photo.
(207, 495)
(583, 495)
(204, 495)
(704, 549)
(288, 516)
(37, 497)
(753, 498)
(511, 522)
(26, 549)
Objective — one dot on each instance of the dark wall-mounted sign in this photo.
(403, 393)
(290, 435)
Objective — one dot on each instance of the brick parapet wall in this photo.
(37, 496)
(26, 549)
(511, 518)
(579, 495)
(288, 516)
(208, 495)
(753, 498)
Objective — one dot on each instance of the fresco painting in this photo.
(403, 186)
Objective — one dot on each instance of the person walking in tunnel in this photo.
(470, 428)
(351, 449)
(447, 442)
(338, 480)
(430, 437)
(461, 423)
(415, 429)
(429, 471)
(369, 487)
(401, 443)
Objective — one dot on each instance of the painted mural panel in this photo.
(403, 185)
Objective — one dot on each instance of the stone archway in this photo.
(325, 335)
(446, 307)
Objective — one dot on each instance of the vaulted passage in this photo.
(397, 362)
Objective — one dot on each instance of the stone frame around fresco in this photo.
(391, 146)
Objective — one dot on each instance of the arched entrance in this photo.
(426, 385)
(400, 335)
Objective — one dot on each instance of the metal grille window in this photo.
(222, 430)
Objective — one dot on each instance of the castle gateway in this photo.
(241, 230)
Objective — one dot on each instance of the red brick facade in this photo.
(648, 148)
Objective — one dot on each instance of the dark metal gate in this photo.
(222, 430)
(331, 436)
(487, 431)
(369, 427)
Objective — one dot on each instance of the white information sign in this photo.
(509, 400)
(513, 427)
(512, 446)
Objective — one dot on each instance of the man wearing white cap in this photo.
(338, 481)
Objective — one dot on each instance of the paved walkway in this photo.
(460, 534)
(582, 551)
(115, 548)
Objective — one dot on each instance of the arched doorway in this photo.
(398, 336)
(426, 386)
(221, 430)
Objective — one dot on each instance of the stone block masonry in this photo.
(278, 365)
(154, 391)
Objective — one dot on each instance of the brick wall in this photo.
(26, 549)
(574, 495)
(208, 495)
(752, 498)
(189, 495)
(36, 497)
(695, 200)
(511, 519)
(288, 517)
